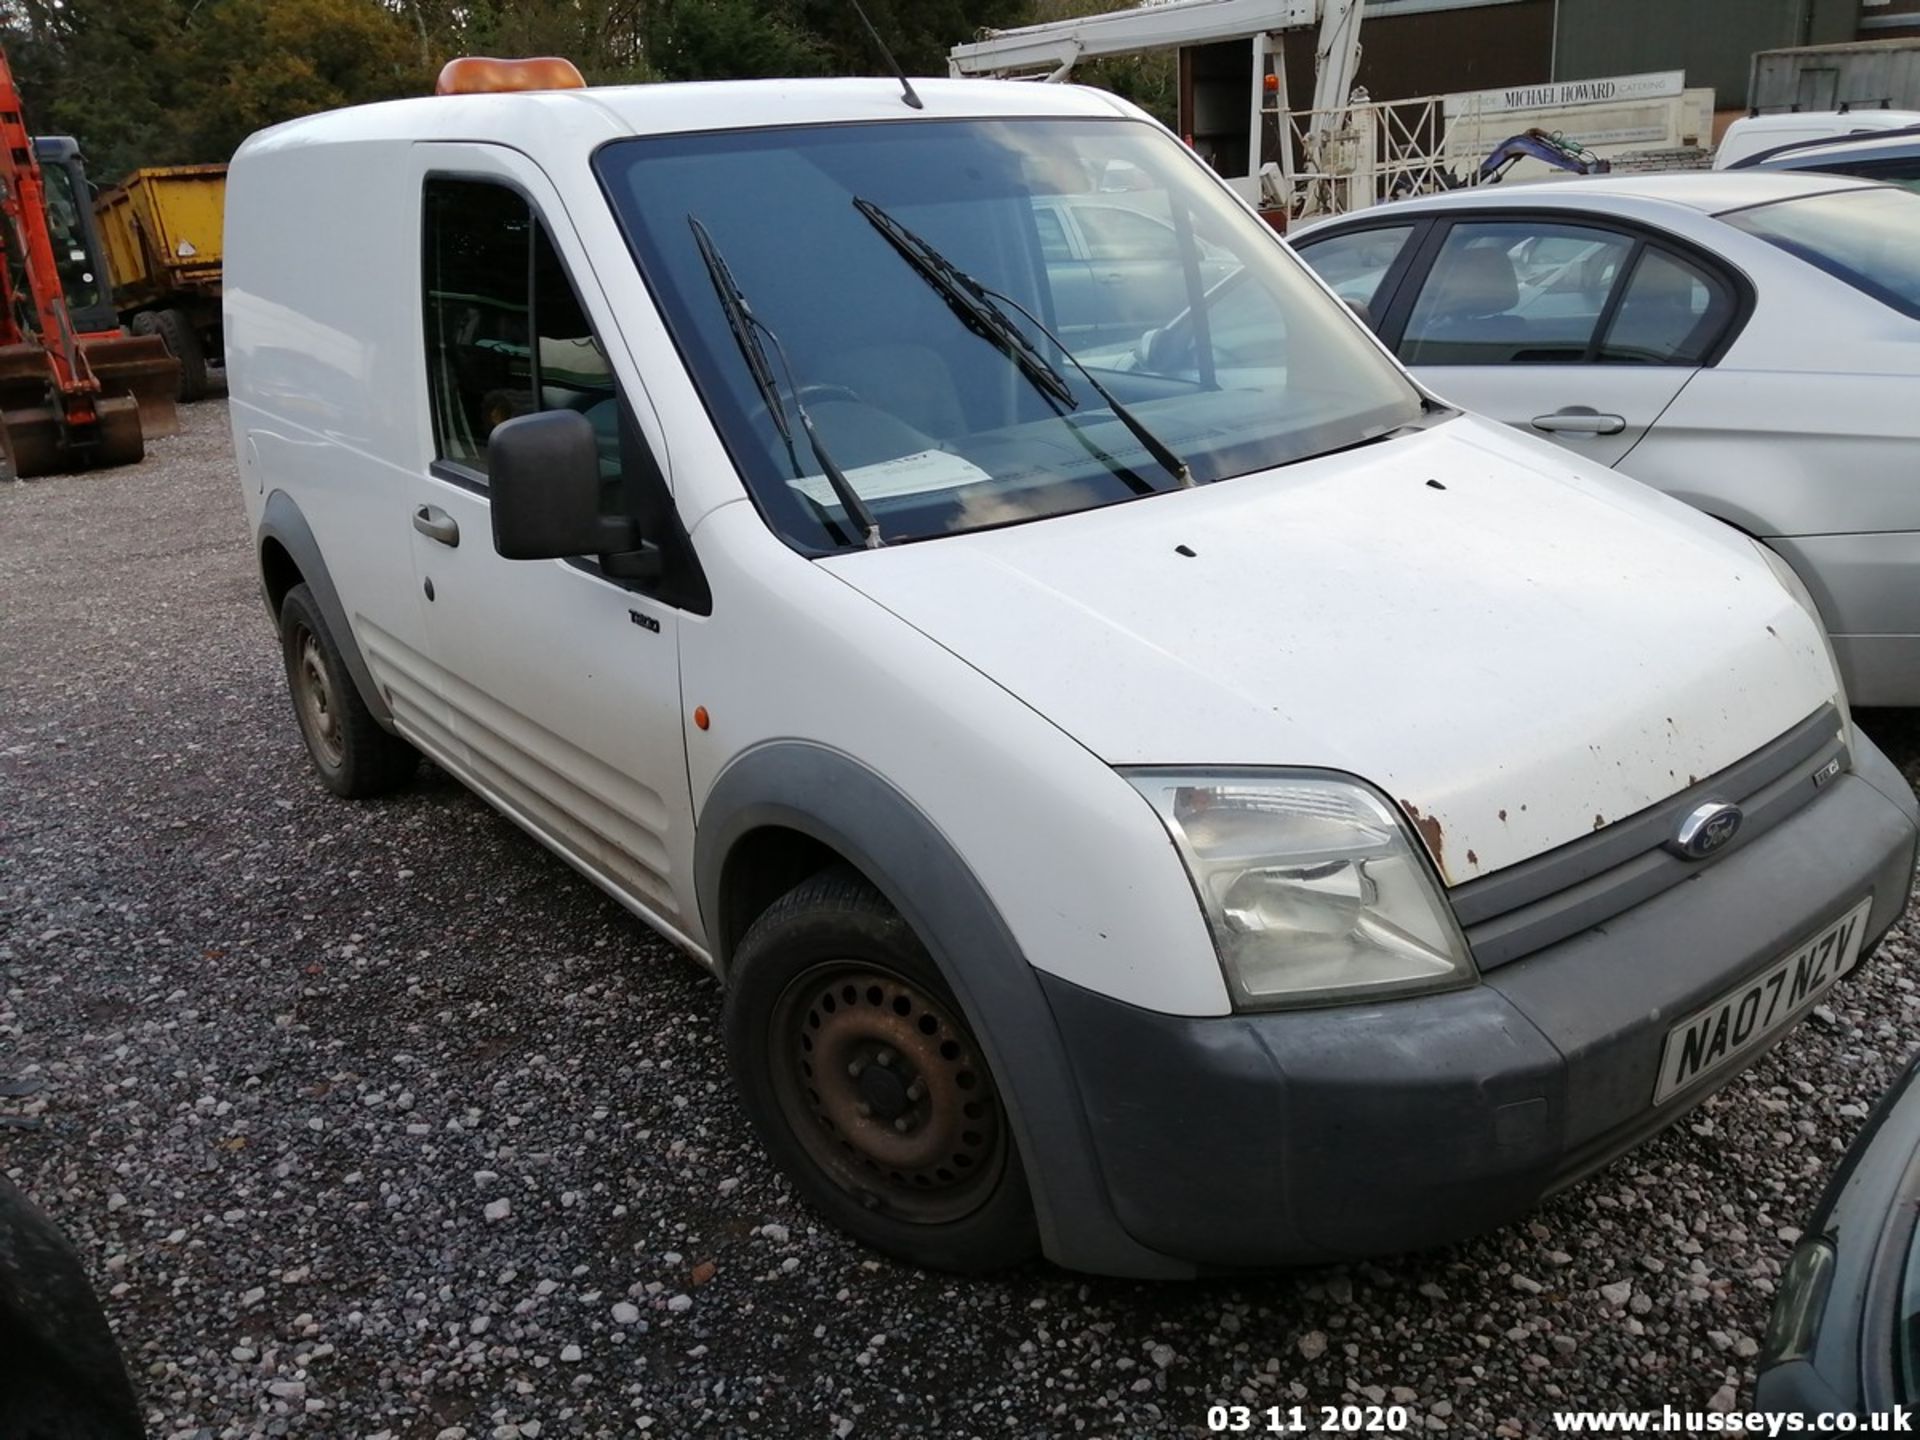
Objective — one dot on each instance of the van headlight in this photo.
(1791, 582)
(1312, 886)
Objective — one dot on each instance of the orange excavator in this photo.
(69, 400)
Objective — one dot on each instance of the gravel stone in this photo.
(279, 1035)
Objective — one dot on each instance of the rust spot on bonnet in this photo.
(1503, 815)
(1429, 828)
(1599, 821)
(1473, 860)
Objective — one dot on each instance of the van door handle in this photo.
(1580, 420)
(436, 524)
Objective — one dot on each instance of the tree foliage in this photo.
(156, 82)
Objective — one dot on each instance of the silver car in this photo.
(1748, 341)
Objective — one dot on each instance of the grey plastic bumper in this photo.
(1327, 1134)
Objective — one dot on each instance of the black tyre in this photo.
(183, 341)
(355, 756)
(867, 1085)
(61, 1375)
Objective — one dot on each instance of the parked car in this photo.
(1745, 342)
(1166, 820)
(1753, 136)
(1845, 1334)
(1892, 156)
(1113, 267)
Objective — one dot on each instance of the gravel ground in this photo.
(374, 1119)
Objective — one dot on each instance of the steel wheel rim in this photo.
(887, 1092)
(313, 692)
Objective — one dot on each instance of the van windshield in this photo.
(1210, 335)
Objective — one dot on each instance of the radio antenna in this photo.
(906, 85)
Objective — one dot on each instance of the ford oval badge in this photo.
(1708, 829)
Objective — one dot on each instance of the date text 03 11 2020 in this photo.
(1309, 1419)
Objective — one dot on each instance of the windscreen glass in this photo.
(1868, 238)
(1208, 333)
(77, 275)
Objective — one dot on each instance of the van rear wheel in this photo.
(867, 1084)
(355, 756)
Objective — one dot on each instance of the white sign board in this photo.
(1562, 94)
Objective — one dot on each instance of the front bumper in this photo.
(1314, 1135)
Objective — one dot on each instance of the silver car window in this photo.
(1869, 238)
(1514, 292)
(1356, 262)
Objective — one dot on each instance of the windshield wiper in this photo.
(968, 299)
(974, 303)
(743, 322)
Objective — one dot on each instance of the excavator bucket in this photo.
(41, 440)
(142, 367)
(120, 436)
(27, 412)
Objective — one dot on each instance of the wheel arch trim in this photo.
(282, 522)
(836, 800)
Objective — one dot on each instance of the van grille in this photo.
(1540, 902)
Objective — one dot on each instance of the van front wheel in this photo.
(867, 1085)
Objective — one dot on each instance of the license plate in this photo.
(1740, 1019)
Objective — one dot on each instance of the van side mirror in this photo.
(1361, 312)
(543, 481)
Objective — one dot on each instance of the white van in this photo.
(1754, 136)
(1229, 809)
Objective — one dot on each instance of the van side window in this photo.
(476, 313)
(568, 364)
(506, 332)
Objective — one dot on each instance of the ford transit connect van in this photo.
(1225, 809)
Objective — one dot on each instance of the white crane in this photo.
(1050, 51)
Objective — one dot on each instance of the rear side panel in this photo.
(328, 381)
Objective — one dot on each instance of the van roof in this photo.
(1835, 122)
(1874, 145)
(601, 113)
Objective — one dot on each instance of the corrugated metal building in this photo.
(1433, 47)
(1866, 74)
(1712, 40)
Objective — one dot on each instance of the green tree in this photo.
(732, 39)
(1150, 80)
(605, 38)
(107, 72)
(255, 63)
(150, 82)
(918, 32)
